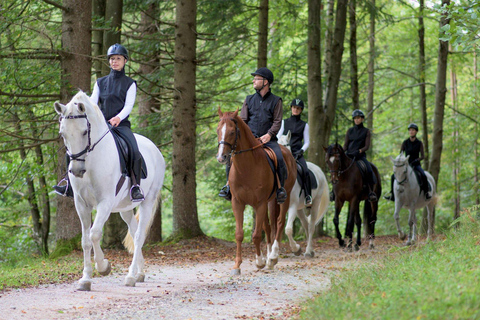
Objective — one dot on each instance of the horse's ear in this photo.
(59, 108)
(220, 113)
(235, 114)
(406, 159)
(81, 107)
(289, 135)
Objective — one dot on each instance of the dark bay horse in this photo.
(252, 183)
(348, 186)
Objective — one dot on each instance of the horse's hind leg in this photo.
(261, 214)
(132, 224)
(292, 214)
(338, 208)
(396, 216)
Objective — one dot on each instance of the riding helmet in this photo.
(358, 113)
(117, 49)
(264, 72)
(298, 103)
(413, 126)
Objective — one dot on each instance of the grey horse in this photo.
(409, 195)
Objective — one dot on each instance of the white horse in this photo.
(94, 171)
(313, 215)
(408, 194)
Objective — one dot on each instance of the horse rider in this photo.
(262, 112)
(300, 132)
(357, 142)
(115, 94)
(413, 148)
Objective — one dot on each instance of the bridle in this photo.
(233, 146)
(89, 147)
(405, 172)
(340, 172)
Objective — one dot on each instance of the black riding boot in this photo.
(136, 193)
(390, 196)
(66, 189)
(426, 188)
(281, 192)
(307, 188)
(225, 191)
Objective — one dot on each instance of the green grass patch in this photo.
(438, 280)
(37, 271)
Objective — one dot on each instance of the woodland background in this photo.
(399, 61)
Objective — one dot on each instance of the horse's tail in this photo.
(324, 199)
(128, 242)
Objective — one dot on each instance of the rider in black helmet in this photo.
(413, 148)
(357, 142)
(262, 112)
(299, 143)
(115, 94)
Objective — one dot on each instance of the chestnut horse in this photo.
(252, 182)
(348, 186)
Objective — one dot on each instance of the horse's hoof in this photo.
(371, 246)
(299, 252)
(130, 281)
(310, 254)
(236, 272)
(356, 247)
(341, 243)
(107, 271)
(408, 243)
(402, 236)
(270, 264)
(84, 286)
(260, 266)
(141, 278)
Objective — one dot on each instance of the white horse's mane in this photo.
(87, 102)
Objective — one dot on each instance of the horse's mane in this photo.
(87, 102)
(248, 135)
(334, 145)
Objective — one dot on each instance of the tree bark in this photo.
(97, 38)
(440, 93)
(475, 143)
(353, 54)
(455, 133)
(113, 13)
(185, 216)
(328, 38)
(423, 95)
(262, 34)
(371, 71)
(76, 67)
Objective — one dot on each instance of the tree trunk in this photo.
(353, 54)
(455, 133)
(475, 141)
(76, 67)
(115, 228)
(440, 93)
(371, 71)
(185, 216)
(98, 50)
(328, 38)
(262, 34)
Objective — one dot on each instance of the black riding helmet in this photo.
(357, 113)
(117, 49)
(298, 103)
(264, 72)
(413, 126)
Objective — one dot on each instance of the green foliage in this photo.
(437, 280)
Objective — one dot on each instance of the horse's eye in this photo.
(85, 132)
(232, 133)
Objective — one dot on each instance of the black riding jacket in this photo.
(357, 138)
(414, 149)
(113, 93)
(296, 126)
(261, 114)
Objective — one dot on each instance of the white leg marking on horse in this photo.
(220, 150)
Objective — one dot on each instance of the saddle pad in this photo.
(313, 180)
(271, 154)
(363, 170)
(124, 153)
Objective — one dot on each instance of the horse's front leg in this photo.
(396, 216)
(292, 214)
(358, 223)
(412, 223)
(338, 209)
(309, 226)
(103, 212)
(85, 215)
(280, 212)
(238, 208)
(261, 216)
(352, 217)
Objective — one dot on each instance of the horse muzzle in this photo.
(78, 170)
(222, 158)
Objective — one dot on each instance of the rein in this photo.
(89, 147)
(340, 172)
(233, 147)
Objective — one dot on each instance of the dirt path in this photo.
(179, 288)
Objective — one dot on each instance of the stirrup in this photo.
(389, 197)
(225, 193)
(59, 189)
(372, 197)
(141, 193)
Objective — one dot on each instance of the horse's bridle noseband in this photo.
(89, 147)
(233, 147)
(406, 175)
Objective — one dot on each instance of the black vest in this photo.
(260, 113)
(412, 149)
(356, 137)
(296, 126)
(113, 93)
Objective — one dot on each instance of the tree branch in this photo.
(57, 5)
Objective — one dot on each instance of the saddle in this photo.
(363, 171)
(310, 175)
(125, 155)
(273, 162)
(420, 180)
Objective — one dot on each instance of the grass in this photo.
(37, 271)
(438, 280)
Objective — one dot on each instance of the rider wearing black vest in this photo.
(299, 142)
(413, 148)
(357, 142)
(262, 112)
(115, 94)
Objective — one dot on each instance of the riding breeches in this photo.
(135, 159)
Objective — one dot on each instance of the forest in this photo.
(400, 61)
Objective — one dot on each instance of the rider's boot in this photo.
(64, 190)
(281, 192)
(136, 193)
(308, 189)
(389, 196)
(225, 193)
